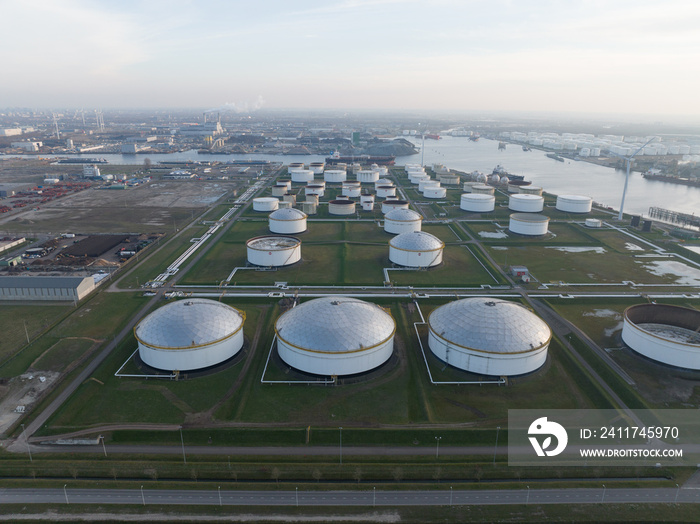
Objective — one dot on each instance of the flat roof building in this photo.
(45, 288)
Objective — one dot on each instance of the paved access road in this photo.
(360, 498)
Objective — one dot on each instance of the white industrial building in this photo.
(400, 221)
(270, 251)
(528, 224)
(416, 249)
(335, 336)
(32, 288)
(190, 334)
(287, 221)
(664, 333)
(488, 336)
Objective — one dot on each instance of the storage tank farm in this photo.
(335, 336)
(488, 336)
(664, 333)
(189, 335)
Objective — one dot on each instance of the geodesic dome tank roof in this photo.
(335, 325)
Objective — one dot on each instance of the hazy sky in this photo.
(589, 56)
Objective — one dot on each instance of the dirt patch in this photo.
(23, 390)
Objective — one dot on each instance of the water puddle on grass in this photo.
(685, 275)
(602, 313)
(633, 247)
(578, 249)
(499, 248)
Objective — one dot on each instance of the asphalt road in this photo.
(365, 498)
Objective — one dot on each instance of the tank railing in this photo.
(427, 367)
(269, 354)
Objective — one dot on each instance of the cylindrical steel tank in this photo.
(400, 221)
(265, 204)
(386, 191)
(528, 224)
(341, 207)
(477, 203)
(389, 205)
(287, 221)
(335, 175)
(416, 249)
(574, 203)
(525, 203)
(273, 251)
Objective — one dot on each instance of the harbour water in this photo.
(603, 184)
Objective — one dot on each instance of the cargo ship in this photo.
(554, 156)
(501, 172)
(385, 160)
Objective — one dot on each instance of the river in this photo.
(603, 184)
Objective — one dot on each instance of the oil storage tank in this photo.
(400, 221)
(528, 224)
(335, 175)
(367, 176)
(265, 204)
(525, 203)
(302, 176)
(488, 336)
(335, 336)
(416, 249)
(287, 221)
(190, 334)
(477, 202)
(341, 207)
(273, 251)
(574, 203)
(389, 205)
(665, 333)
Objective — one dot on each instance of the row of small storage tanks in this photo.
(411, 247)
(367, 176)
(340, 336)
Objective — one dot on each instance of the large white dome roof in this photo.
(489, 325)
(289, 213)
(416, 241)
(189, 323)
(335, 325)
(403, 215)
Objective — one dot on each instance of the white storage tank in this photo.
(335, 336)
(477, 203)
(279, 190)
(530, 190)
(310, 208)
(488, 336)
(284, 205)
(422, 184)
(400, 221)
(314, 189)
(525, 203)
(295, 166)
(574, 203)
(265, 204)
(593, 222)
(386, 191)
(190, 334)
(449, 179)
(349, 190)
(367, 176)
(335, 175)
(665, 333)
(435, 192)
(482, 189)
(341, 207)
(290, 197)
(285, 182)
(383, 182)
(416, 249)
(368, 205)
(287, 221)
(366, 198)
(273, 251)
(317, 167)
(528, 224)
(303, 176)
(415, 178)
(389, 205)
